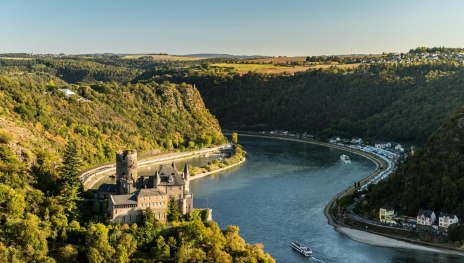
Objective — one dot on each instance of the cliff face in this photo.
(102, 118)
(432, 178)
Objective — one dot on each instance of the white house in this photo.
(399, 147)
(426, 217)
(68, 92)
(386, 215)
(445, 220)
(382, 145)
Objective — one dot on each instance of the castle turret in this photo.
(126, 171)
(186, 176)
(157, 179)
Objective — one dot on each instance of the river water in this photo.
(278, 195)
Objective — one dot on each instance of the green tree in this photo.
(97, 242)
(67, 253)
(161, 251)
(234, 137)
(125, 248)
(71, 186)
(173, 213)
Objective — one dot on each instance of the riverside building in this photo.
(135, 194)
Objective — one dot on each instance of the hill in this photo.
(431, 179)
(402, 102)
(214, 55)
(106, 117)
(51, 129)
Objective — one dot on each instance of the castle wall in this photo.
(126, 215)
(176, 192)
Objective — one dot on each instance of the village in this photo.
(429, 225)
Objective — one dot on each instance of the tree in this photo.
(30, 236)
(68, 253)
(234, 138)
(100, 249)
(161, 250)
(70, 184)
(125, 248)
(173, 213)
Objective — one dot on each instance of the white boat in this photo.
(303, 249)
(345, 158)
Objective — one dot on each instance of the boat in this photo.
(345, 158)
(303, 249)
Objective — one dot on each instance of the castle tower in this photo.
(157, 179)
(126, 171)
(186, 175)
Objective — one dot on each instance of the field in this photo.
(165, 57)
(345, 66)
(261, 68)
(243, 68)
(15, 58)
(277, 60)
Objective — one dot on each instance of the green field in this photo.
(260, 68)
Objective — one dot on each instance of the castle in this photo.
(135, 194)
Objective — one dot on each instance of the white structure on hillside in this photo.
(426, 217)
(445, 220)
(68, 92)
(386, 216)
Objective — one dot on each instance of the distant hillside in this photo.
(431, 179)
(213, 55)
(386, 101)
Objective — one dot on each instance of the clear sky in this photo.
(241, 27)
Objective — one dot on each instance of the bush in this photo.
(5, 137)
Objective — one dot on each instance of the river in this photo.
(278, 195)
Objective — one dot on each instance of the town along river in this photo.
(278, 196)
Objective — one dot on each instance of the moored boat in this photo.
(345, 158)
(301, 248)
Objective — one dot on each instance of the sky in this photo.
(239, 27)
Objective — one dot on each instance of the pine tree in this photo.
(173, 213)
(70, 187)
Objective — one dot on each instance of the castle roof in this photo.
(147, 192)
(131, 199)
(107, 188)
(169, 176)
(123, 199)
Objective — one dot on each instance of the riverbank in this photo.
(198, 176)
(378, 240)
(91, 176)
(360, 235)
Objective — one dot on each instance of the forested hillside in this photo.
(404, 103)
(431, 179)
(395, 101)
(105, 117)
(59, 116)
